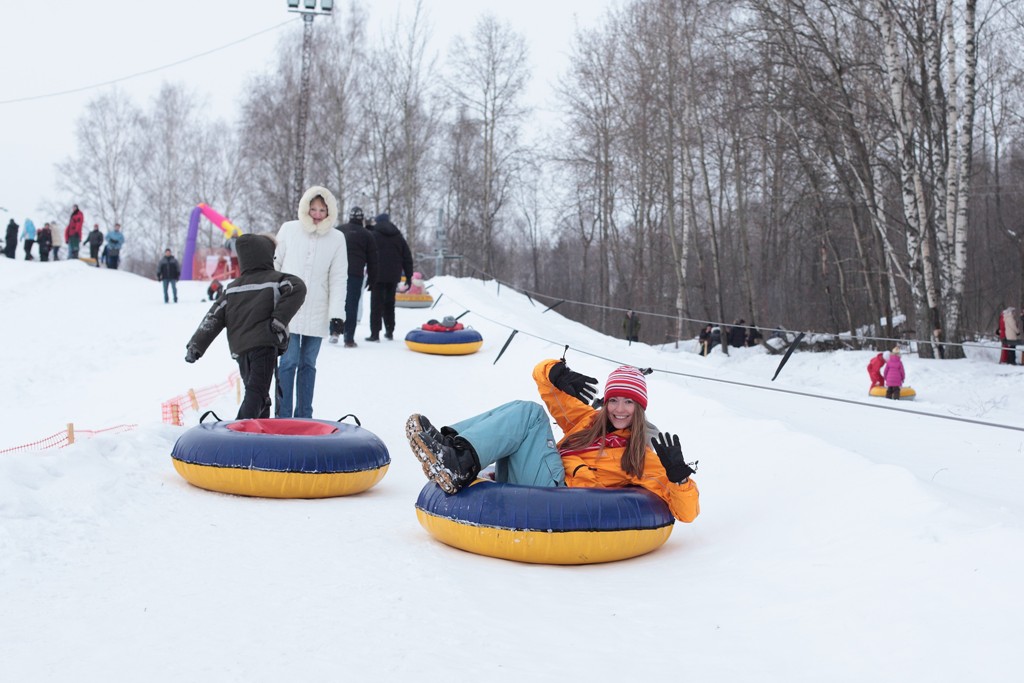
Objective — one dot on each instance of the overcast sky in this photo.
(61, 45)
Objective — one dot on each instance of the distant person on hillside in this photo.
(95, 241)
(631, 326)
(11, 239)
(606, 447)
(255, 309)
(875, 371)
(754, 336)
(704, 340)
(115, 240)
(738, 333)
(215, 290)
(1009, 334)
(313, 250)
(168, 271)
(362, 267)
(73, 233)
(894, 374)
(44, 238)
(58, 239)
(393, 257)
(28, 235)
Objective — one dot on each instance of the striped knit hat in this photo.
(627, 382)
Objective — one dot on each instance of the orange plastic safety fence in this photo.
(173, 409)
(66, 438)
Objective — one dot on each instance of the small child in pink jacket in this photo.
(894, 374)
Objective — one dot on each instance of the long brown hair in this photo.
(633, 455)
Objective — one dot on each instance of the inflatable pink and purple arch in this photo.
(229, 228)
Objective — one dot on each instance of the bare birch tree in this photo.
(488, 75)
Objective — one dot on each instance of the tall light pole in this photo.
(308, 10)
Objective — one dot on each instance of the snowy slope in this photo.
(840, 539)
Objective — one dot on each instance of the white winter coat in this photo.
(1010, 322)
(319, 256)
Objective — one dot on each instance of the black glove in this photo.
(337, 326)
(279, 329)
(671, 455)
(191, 354)
(573, 383)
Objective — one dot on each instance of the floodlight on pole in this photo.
(308, 12)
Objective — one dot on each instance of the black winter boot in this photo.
(448, 461)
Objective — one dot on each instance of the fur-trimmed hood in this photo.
(332, 210)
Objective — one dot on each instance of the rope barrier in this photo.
(172, 411)
(67, 437)
(616, 361)
(195, 400)
(829, 335)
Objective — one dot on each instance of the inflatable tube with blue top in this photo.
(454, 343)
(281, 458)
(546, 525)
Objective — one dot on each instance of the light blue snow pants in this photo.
(516, 438)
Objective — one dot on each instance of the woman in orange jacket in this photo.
(604, 447)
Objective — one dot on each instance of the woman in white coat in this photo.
(313, 250)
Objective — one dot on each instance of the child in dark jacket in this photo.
(256, 309)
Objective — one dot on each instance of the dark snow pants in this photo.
(257, 367)
(382, 308)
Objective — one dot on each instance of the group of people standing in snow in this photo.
(297, 288)
(738, 335)
(378, 255)
(50, 238)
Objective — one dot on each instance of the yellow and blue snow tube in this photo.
(906, 393)
(407, 300)
(281, 458)
(546, 525)
(454, 343)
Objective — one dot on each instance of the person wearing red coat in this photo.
(875, 371)
(73, 233)
(1009, 335)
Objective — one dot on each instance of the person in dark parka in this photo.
(255, 309)
(738, 334)
(393, 257)
(362, 254)
(11, 239)
(95, 241)
(44, 238)
(168, 271)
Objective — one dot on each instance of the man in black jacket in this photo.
(362, 253)
(11, 240)
(393, 257)
(256, 309)
(95, 240)
(168, 271)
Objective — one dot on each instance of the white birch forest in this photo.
(820, 165)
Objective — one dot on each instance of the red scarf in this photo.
(609, 441)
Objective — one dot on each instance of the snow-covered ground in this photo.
(841, 538)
